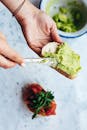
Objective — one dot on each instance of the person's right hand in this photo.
(8, 57)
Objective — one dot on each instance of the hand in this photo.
(8, 57)
(39, 30)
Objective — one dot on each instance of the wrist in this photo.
(27, 10)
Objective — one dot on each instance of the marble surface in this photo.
(70, 95)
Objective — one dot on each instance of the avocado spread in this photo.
(68, 60)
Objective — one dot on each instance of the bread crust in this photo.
(65, 74)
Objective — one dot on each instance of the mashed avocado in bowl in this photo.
(70, 16)
(68, 60)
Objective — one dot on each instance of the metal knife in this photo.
(47, 61)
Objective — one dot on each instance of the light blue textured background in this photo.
(70, 95)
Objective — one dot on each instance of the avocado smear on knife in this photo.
(68, 60)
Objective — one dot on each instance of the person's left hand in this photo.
(39, 30)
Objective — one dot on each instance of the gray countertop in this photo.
(70, 95)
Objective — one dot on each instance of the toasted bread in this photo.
(51, 48)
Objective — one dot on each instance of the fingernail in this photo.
(23, 64)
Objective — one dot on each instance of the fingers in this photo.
(5, 63)
(55, 35)
(8, 57)
(9, 53)
(36, 49)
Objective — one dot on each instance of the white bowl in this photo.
(51, 11)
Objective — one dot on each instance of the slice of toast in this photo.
(51, 48)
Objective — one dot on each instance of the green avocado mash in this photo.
(71, 17)
(68, 60)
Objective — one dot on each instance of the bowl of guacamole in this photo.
(70, 16)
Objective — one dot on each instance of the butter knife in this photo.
(47, 61)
